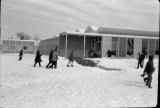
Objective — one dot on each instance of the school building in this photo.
(14, 46)
(122, 42)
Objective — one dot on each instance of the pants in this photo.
(139, 64)
(70, 62)
(53, 63)
(38, 63)
(20, 58)
(149, 80)
(50, 62)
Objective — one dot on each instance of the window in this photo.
(145, 45)
(157, 48)
(5, 42)
(31, 43)
(12, 42)
(114, 45)
(18, 43)
(25, 43)
(130, 46)
(25, 48)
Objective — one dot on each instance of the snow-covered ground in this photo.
(114, 83)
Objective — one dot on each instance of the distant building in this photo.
(14, 46)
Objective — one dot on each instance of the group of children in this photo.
(53, 57)
(149, 68)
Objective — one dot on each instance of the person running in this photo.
(50, 59)
(71, 59)
(20, 55)
(149, 69)
(109, 53)
(54, 60)
(38, 59)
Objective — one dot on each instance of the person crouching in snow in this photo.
(20, 55)
(50, 59)
(71, 59)
(149, 69)
(54, 60)
(38, 59)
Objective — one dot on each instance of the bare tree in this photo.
(23, 36)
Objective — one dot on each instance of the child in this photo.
(149, 69)
(50, 58)
(139, 60)
(20, 55)
(38, 59)
(109, 53)
(71, 59)
(54, 59)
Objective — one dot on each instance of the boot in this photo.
(142, 75)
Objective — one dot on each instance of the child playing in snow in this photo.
(50, 59)
(71, 59)
(139, 60)
(20, 55)
(149, 69)
(38, 59)
(54, 59)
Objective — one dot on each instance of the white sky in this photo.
(46, 18)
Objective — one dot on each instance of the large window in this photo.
(157, 48)
(114, 45)
(130, 46)
(145, 45)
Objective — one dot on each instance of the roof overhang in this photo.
(107, 35)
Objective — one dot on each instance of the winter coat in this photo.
(71, 57)
(109, 53)
(50, 56)
(38, 57)
(54, 56)
(149, 69)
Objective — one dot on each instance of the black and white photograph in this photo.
(79, 53)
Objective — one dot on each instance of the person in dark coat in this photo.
(149, 69)
(38, 59)
(109, 53)
(143, 54)
(20, 55)
(50, 58)
(139, 60)
(54, 60)
(71, 59)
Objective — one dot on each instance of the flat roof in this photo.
(108, 35)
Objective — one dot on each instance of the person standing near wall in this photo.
(38, 59)
(20, 55)
(71, 59)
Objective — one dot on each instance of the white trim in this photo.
(109, 35)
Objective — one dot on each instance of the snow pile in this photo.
(113, 83)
